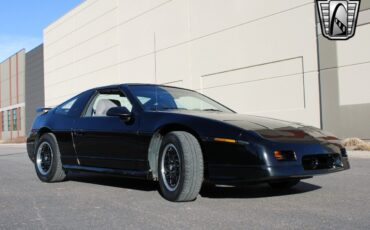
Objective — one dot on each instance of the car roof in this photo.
(136, 84)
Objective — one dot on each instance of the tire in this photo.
(284, 184)
(180, 167)
(48, 164)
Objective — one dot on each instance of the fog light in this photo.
(314, 163)
(338, 162)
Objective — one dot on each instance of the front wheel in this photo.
(180, 167)
(48, 164)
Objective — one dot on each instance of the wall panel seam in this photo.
(48, 45)
(196, 38)
(344, 66)
(54, 25)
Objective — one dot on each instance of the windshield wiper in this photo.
(213, 110)
(169, 108)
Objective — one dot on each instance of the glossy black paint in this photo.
(114, 145)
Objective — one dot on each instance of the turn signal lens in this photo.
(279, 155)
(285, 155)
(226, 140)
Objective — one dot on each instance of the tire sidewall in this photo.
(171, 195)
(51, 140)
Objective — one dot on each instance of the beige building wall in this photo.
(12, 98)
(345, 80)
(258, 57)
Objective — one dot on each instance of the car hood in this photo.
(268, 128)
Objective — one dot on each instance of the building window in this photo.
(15, 119)
(3, 121)
(19, 115)
(9, 127)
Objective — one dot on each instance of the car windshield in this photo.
(155, 98)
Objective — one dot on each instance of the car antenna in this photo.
(155, 72)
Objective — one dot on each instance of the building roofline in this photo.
(6, 59)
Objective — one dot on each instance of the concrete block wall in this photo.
(245, 54)
(12, 98)
(345, 81)
(35, 84)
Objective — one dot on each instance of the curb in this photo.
(13, 144)
(359, 154)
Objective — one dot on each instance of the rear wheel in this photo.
(48, 164)
(284, 184)
(180, 167)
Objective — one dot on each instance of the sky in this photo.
(22, 22)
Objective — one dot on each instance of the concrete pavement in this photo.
(85, 201)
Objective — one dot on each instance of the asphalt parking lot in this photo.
(335, 201)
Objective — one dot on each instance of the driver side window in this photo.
(102, 102)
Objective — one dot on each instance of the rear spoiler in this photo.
(43, 110)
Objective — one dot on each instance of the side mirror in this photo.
(121, 112)
(42, 110)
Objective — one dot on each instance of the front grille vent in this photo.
(321, 161)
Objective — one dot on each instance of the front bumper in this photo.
(31, 144)
(232, 174)
(31, 150)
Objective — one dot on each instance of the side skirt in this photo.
(146, 175)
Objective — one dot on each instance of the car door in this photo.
(64, 118)
(108, 142)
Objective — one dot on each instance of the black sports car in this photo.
(179, 137)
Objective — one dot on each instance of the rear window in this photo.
(64, 108)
